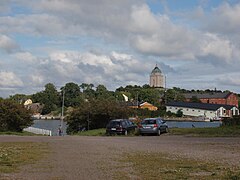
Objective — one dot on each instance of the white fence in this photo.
(38, 131)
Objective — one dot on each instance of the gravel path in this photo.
(79, 157)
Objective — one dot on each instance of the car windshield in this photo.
(149, 121)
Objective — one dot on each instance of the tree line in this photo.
(92, 107)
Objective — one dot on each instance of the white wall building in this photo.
(209, 111)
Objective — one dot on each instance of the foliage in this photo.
(234, 121)
(174, 95)
(49, 97)
(143, 94)
(95, 114)
(72, 95)
(13, 116)
(19, 98)
(145, 113)
(194, 99)
(179, 113)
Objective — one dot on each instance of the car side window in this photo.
(123, 123)
(130, 123)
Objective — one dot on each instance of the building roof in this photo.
(211, 95)
(156, 70)
(205, 106)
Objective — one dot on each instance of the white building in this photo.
(209, 111)
(156, 78)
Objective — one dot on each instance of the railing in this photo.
(38, 131)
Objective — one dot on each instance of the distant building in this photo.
(227, 98)
(141, 105)
(208, 111)
(148, 106)
(156, 78)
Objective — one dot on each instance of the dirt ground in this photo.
(79, 157)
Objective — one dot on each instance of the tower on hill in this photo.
(156, 78)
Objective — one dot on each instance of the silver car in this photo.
(153, 126)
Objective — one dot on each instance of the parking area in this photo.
(79, 157)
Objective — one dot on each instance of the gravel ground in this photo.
(79, 157)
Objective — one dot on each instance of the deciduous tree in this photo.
(13, 116)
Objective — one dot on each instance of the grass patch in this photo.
(223, 131)
(94, 132)
(164, 166)
(15, 154)
(101, 132)
(23, 133)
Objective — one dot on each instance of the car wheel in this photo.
(125, 132)
(159, 132)
(167, 130)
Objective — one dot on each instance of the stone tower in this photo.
(156, 78)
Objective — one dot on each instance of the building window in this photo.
(199, 111)
(193, 110)
(187, 109)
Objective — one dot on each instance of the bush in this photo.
(13, 116)
(234, 121)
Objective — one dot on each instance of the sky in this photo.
(195, 43)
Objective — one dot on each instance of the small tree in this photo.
(179, 113)
(194, 99)
(13, 116)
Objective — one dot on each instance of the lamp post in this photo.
(165, 94)
(62, 113)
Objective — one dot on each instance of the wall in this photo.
(194, 112)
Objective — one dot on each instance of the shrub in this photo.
(234, 121)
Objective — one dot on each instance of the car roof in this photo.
(153, 118)
(118, 120)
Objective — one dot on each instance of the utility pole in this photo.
(165, 94)
(62, 114)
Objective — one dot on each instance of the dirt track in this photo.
(78, 157)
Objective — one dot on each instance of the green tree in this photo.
(72, 94)
(19, 98)
(174, 95)
(194, 99)
(49, 98)
(179, 113)
(13, 116)
(88, 92)
(95, 114)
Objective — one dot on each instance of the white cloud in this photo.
(221, 48)
(7, 44)
(9, 79)
(225, 19)
(25, 57)
(229, 79)
(4, 6)
(37, 80)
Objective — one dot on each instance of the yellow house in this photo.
(148, 106)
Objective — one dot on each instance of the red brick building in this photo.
(227, 98)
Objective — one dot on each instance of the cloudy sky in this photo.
(195, 43)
